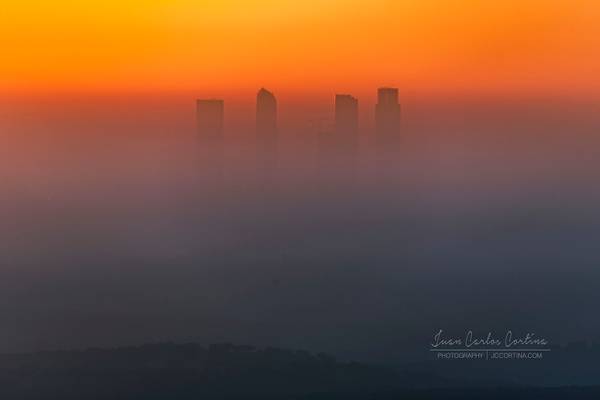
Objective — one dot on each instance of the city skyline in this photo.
(210, 115)
(338, 145)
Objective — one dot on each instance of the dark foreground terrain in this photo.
(225, 371)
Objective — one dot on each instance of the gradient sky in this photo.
(425, 45)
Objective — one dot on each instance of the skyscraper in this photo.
(266, 130)
(210, 115)
(210, 119)
(266, 113)
(346, 121)
(338, 148)
(387, 117)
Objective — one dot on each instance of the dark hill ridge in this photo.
(225, 371)
(188, 371)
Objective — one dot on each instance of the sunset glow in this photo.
(425, 45)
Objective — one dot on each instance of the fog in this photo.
(485, 217)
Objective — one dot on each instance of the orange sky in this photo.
(313, 45)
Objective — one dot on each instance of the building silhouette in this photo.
(387, 118)
(210, 117)
(346, 123)
(210, 120)
(266, 130)
(338, 147)
(266, 114)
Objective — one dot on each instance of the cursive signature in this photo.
(470, 340)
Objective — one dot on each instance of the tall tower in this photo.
(338, 149)
(266, 129)
(266, 113)
(346, 121)
(210, 117)
(387, 117)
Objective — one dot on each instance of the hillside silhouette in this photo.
(227, 371)
(161, 371)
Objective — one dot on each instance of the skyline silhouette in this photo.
(210, 115)
(210, 119)
(266, 129)
(338, 144)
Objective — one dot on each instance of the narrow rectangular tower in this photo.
(346, 117)
(210, 116)
(266, 131)
(387, 117)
